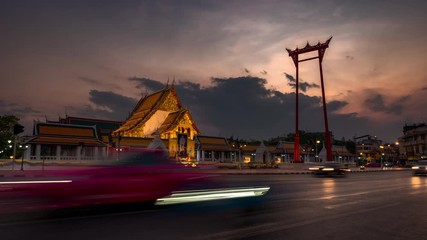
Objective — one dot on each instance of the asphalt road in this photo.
(377, 205)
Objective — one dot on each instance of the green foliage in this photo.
(6, 133)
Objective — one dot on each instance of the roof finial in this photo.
(167, 83)
(173, 82)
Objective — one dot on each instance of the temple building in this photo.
(64, 142)
(214, 149)
(160, 113)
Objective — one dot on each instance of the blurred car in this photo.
(139, 176)
(420, 168)
(387, 165)
(373, 164)
(410, 164)
(330, 169)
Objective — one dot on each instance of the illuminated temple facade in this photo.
(159, 114)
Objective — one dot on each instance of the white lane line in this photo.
(328, 197)
(342, 204)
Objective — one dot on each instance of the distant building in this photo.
(279, 152)
(214, 149)
(413, 143)
(66, 142)
(339, 154)
(104, 128)
(368, 148)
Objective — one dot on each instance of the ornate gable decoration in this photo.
(170, 103)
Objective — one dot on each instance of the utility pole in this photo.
(14, 151)
(17, 129)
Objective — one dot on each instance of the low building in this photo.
(413, 143)
(65, 142)
(368, 149)
(104, 128)
(339, 154)
(214, 149)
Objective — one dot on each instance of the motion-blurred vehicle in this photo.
(373, 164)
(420, 168)
(330, 169)
(138, 176)
(387, 165)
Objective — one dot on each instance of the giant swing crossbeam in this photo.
(294, 54)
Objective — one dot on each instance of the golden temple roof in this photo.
(57, 133)
(213, 143)
(160, 111)
(146, 107)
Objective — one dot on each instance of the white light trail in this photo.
(211, 194)
(35, 182)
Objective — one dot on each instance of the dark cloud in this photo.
(304, 86)
(245, 108)
(376, 104)
(348, 57)
(98, 83)
(89, 80)
(108, 105)
(290, 78)
(147, 84)
(398, 106)
(336, 105)
(17, 110)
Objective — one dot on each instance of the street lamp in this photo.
(22, 157)
(315, 157)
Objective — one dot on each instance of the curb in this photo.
(38, 174)
(307, 172)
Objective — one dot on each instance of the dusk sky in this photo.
(96, 58)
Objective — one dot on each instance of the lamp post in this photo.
(315, 156)
(14, 151)
(22, 157)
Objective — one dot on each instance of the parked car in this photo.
(420, 168)
(330, 169)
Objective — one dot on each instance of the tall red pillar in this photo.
(294, 54)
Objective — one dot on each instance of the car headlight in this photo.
(313, 168)
(415, 167)
(328, 169)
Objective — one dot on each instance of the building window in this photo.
(67, 150)
(47, 150)
(89, 151)
(208, 154)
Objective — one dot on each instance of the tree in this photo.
(7, 122)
